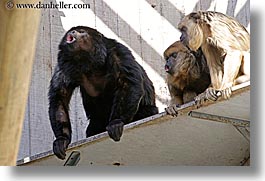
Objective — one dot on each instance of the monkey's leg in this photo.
(216, 74)
(232, 64)
(176, 100)
(244, 69)
(145, 111)
(95, 126)
(189, 96)
(241, 79)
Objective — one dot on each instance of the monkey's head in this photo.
(191, 31)
(179, 59)
(83, 45)
(81, 38)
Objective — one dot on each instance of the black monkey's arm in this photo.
(125, 105)
(59, 97)
(126, 102)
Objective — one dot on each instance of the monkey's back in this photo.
(220, 27)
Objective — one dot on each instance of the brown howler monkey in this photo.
(225, 44)
(188, 74)
(115, 89)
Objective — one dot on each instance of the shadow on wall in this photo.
(173, 15)
(243, 12)
(134, 46)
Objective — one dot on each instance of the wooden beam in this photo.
(18, 30)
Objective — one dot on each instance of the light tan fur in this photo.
(225, 44)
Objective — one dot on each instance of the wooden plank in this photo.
(184, 141)
(16, 54)
(235, 105)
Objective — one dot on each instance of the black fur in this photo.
(115, 89)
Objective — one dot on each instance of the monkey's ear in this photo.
(100, 35)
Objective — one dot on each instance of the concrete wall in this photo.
(147, 27)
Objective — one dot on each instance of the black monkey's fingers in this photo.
(115, 129)
(59, 152)
(59, 147)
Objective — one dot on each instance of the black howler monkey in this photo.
(115, 89)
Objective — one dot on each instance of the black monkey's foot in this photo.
(59, 147)
(172, 110)
(115, 129)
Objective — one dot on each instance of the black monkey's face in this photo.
(77, 40)
(83, 45)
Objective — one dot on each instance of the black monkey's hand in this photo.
(115, 129)
(172, 110)
(59, 147)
